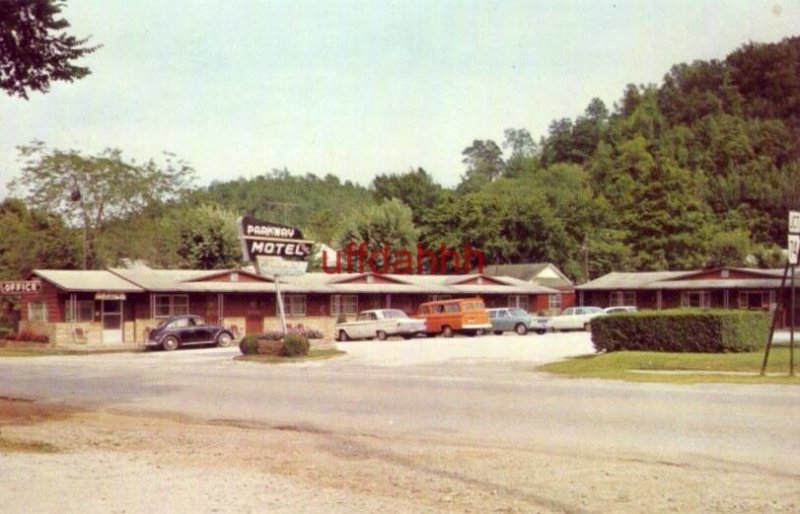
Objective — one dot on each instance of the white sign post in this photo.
(794, 222)
(794, 248)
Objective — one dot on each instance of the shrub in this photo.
(703, 331)
(271, 335)
(249, 345)
(341, 318)
(277, 335)
(295, 344)
(27, 336)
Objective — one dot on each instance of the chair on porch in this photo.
(79, 335)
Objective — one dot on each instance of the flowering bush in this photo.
(277, 335)
(24, 335)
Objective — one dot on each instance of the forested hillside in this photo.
(699, 170)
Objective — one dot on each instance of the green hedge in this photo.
(249, 345)
(684, 330)
(295, 345)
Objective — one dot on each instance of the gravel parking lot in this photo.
(427, 425)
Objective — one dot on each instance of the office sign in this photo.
(15, 287)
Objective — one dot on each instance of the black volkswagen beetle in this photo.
(188, 329)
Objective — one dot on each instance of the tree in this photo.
(201, 237)
(88, 191)
(558, 147)
(323, 226)
(484, 160)
(669, 224)
(729, 249)
(34, 239)
(508, 220)
(35, 49)
(417, 189)
(387, 224)
(524, 158)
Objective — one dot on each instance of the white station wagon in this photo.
(574, 318)
(380, 324)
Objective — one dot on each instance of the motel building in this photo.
(117, 306)
(717, 288)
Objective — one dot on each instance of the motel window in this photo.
(519, 301)
(79, 311)
(554, 302)
(37, 311)
(344, 304)
(295, 304)
(696, 299)
(622, 298)
(753, 299)
(166, 305)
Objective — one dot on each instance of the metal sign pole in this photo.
(775, 319)
(791, 331)
(281, 312)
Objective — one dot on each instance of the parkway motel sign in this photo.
(274, 249)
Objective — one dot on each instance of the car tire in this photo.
(447, 331)
(407, 336)
(480, 332)
(343, 336)
(170, 343)
(498, 332)
(521, 329)
(224, 340)
(381, 335)
(541, 332)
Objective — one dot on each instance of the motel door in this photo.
(112, 321)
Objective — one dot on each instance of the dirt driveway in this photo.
(54, 459)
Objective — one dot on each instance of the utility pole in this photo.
(585, 250)
(286, 206)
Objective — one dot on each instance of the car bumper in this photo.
(409, 330)
(477, 326)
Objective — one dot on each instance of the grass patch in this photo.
(681, 368)
(313, 355)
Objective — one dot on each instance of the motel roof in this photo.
(143, 279)
(86, 280)
(718, 278)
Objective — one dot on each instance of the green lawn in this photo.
(313, 355)
(679, 367)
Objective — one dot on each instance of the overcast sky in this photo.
(239, 87)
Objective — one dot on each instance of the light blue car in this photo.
(506, 319)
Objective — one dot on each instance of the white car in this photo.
(620, 309)
(575, 318)
(380, 324)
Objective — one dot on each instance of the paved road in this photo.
(465, 388)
